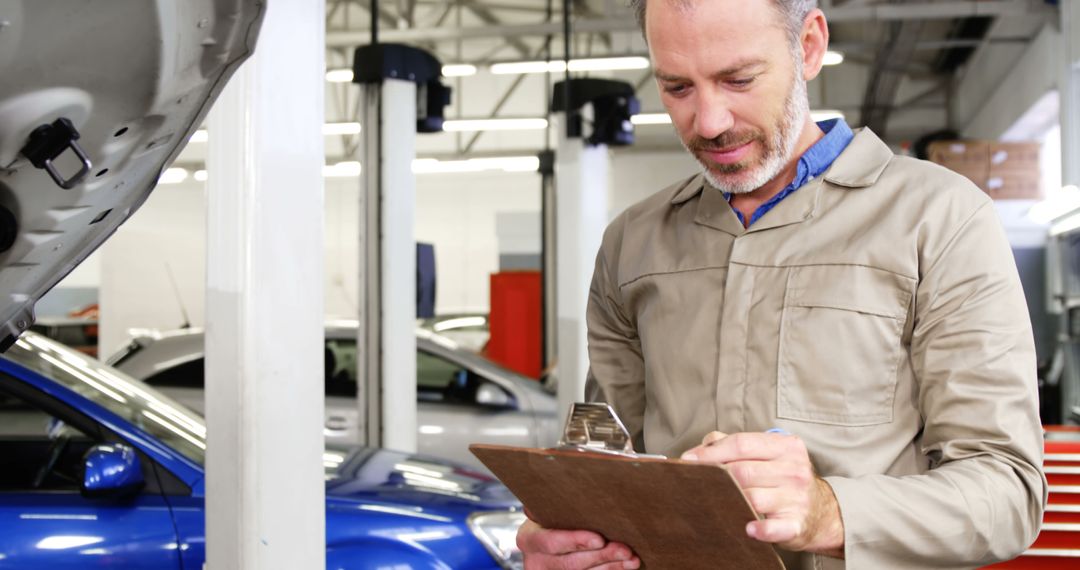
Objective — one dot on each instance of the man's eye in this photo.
(741, 82)
(675, 89)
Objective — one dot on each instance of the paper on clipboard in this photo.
(674, 514)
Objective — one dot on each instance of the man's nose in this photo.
(713, 117)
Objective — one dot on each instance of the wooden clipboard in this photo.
(675, 515)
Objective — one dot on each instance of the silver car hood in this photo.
(134, 78)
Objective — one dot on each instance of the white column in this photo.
(1069, 92)
(387, 343)
(265, 497)
(582, 180)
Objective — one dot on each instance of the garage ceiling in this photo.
(903, 61)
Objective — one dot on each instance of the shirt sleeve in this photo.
(616, 367)
(974, 358)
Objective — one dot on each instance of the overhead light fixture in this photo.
(173, 175)
(609, 63)
(504, 164)
(352, 168)
(329, 129)
(460, 125)
(345, 75)
(559, 66)
(665, 119)
(339, 75)
(458, 70)
(832, 58)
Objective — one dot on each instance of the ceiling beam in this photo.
(876, 12)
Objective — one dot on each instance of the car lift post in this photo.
(590, 115)
(401, 95)
(265, 477)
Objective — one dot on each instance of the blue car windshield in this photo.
(146, 408)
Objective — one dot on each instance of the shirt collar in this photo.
(818, 158)
(859, 165)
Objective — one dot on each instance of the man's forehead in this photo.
(717, 38)
(741, 65)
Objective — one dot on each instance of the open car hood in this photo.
(133, 79)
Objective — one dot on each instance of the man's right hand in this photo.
(546, 549)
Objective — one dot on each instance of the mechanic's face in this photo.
(735, 93)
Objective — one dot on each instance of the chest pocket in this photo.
(840, 344)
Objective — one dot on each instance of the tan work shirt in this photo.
(876, 313)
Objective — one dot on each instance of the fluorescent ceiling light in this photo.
(494, 125)
(329, 129)
(339, 75)
(504, 164)
(352, 169)
(832, 58)
(448, 70)
(665, 119)
(519, 67)
(559, 66)
(651, 119)
(458, 70)
(609, 63)
(826, 114)
(173, 175)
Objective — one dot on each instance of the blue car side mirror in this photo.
(111, 470)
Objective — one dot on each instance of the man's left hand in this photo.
(774, 470)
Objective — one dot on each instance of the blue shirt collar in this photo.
(815, 161)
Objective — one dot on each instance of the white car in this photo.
(462, 397)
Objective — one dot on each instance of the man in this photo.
(809, 280)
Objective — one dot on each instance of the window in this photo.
(40, 452)
(340, 367)
(190, 374)
(439, 380)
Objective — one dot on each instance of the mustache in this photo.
(726, 141)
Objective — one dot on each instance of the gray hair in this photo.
(793, 13)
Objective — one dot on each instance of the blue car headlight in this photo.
(497, 531)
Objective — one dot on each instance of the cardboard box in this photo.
(969, 158)
(1017, 185)
(1014, 157)
(1005, 171)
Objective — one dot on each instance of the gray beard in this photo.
(778, 153)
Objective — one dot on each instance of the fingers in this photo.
(712, 437)
(571, 550)
(746, 447)
(614, 555)
(777, 473)
(779, 530)
(533, 538)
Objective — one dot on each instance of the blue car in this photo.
(100, 471)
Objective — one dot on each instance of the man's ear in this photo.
(814, 39)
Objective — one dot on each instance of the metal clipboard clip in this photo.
(595, 427)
